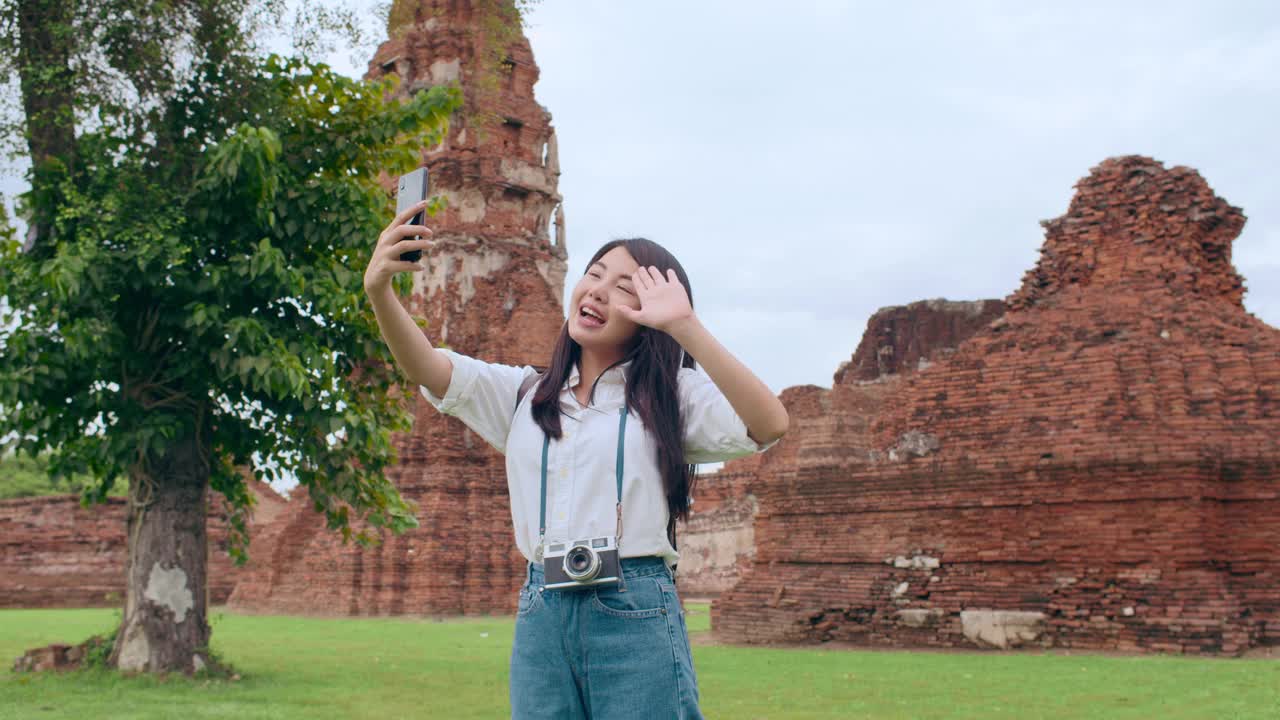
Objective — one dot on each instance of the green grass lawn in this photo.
(401, 668)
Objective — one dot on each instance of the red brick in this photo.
(1113, 440)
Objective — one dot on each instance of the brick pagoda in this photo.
(493, 290)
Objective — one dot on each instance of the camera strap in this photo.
(542, 500)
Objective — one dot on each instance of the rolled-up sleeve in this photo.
(713, 431)
(482, 395)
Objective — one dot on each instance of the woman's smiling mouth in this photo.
(589, 317)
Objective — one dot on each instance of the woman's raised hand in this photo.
(664, 302)
(386, 261)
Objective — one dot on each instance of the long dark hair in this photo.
(656, 359)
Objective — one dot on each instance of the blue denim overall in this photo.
(603, 653)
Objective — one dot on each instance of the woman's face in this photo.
(602, 289)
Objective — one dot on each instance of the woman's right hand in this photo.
(386, 261)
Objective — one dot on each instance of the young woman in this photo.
(600, 445)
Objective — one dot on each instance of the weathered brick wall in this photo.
(908, 337)
(493, 290)
(717, 544)
(55, 553)
(1100, 468)
(718, 538)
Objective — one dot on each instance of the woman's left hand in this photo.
(664, 303)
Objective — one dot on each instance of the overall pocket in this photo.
(530, 600)
(636, 668)
(643, 599)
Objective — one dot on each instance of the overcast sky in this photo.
(811, 162)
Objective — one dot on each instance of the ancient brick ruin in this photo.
(55, 553)
(1097, 468)
(717, 543)
(493, 291)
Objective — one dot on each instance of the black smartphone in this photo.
(413, 189)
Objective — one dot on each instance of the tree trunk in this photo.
(165, 626)
(45, 45)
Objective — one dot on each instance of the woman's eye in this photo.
(625, 289)
(593, 274)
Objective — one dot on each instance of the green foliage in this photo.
(216, 294)
(22, 476)
(7, 231)
(97, 650)
(117, 61)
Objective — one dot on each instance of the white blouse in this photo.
(581, 466)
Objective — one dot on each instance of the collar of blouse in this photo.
(608, 396)
(614, 375)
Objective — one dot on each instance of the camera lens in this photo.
(581, 563)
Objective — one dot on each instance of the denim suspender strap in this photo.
(542, 499)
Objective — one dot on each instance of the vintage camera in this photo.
(581, 563)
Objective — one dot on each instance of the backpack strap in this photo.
(671, 536)
(526, 386)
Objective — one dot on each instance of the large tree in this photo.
(191, 295)
(78, 62)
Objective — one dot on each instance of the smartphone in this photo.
(413, 189)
